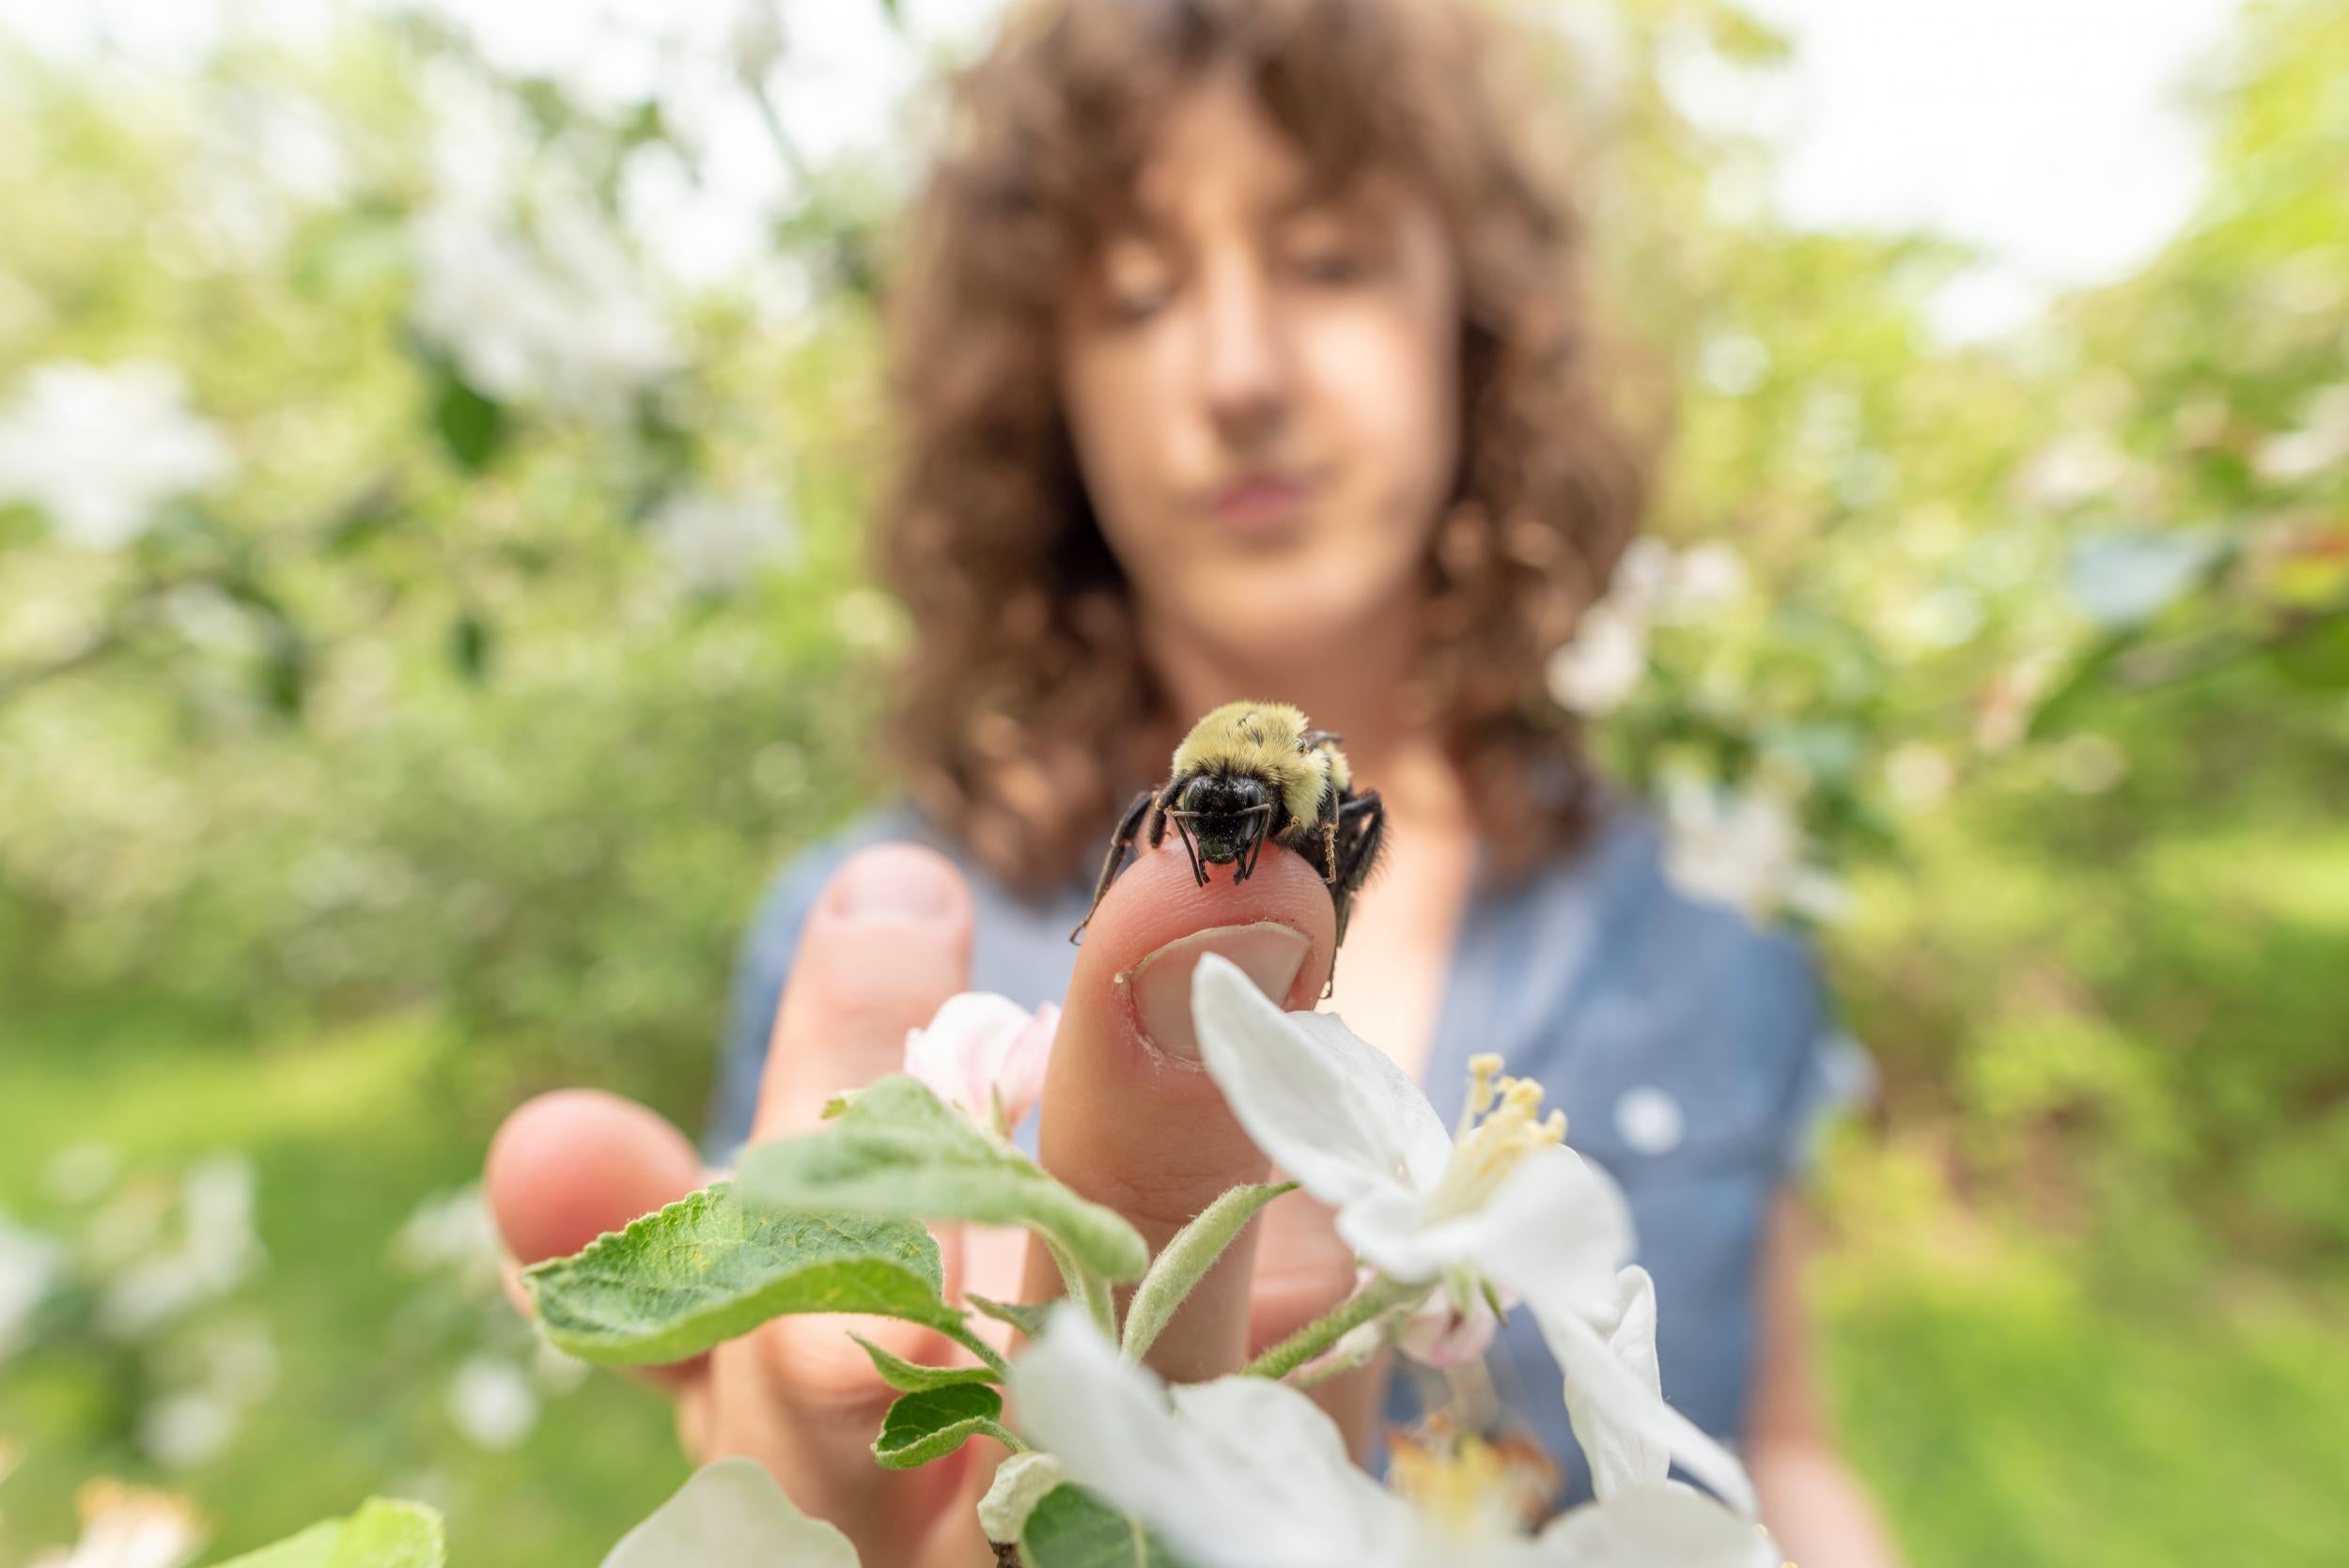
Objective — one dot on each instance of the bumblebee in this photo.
(1246, 775)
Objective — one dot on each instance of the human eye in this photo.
(1334, 264)
(1135, 282)
(1332, 253)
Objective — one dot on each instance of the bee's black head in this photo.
(1229, 814)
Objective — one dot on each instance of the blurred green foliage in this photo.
(435, 752)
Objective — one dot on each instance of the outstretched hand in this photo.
(1128, 1120)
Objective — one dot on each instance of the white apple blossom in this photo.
(1705, 578)
(985, 1055)
(521, 278)
(1446, 1331)
(1246, 1472)
(185, 1428)
(130, 1527)
(712, 541)
(1621, 1457)
(1603, 665)
(1504, 1203)
(490, 1400)
(452, 1232)
(731, 1515)
(100, 449)
(28, 1268)
(1745, 849)
(2320, 445)
(218, 1247)
(1597, 671)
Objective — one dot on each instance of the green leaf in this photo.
(311, 1548)
(1186, 1260)
(389, 1534)
(708, 1268)
(468, 641)
(471, 424)
(1028, 1317)
(2316, 656)
(908, 1377)
(731, 1515)
(1072, 1528)
(896, 1151)
(383, 1533)
(934, 1423)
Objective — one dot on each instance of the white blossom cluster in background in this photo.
(1741, 844)
(101, 448)
(712, 541)
(498, 1374)
(130, 1527)
(160, 1261)
(30, 1264)
(518, 276)
(1745, 846)
(1654, 584)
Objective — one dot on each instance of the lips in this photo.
(1262, 499)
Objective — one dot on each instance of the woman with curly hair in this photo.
(1241, 351)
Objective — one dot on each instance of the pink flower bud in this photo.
(986, 1055)
(1442, 1333)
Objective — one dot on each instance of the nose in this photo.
(1243, 371)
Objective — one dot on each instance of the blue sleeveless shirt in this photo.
(1689, 1050)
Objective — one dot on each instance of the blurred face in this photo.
(1262, 384)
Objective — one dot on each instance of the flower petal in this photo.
(1329, 1108)
(1243, 1471)
(1647, 1526)
(962, 1054)
(731, 1515)
(1635, 1410)
(1622, 1458)
(1555, 1231)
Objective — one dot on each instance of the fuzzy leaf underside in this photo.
(382, 1533)
(1027, 1317)
(897, 1152)
(1072, 1528)
(708, 1268)
(911, 1377)
(1186, 1259)
(933, 1423)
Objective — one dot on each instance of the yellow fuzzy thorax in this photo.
(1266, 740)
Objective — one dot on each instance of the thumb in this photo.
(887, 941)
(1131, 1117)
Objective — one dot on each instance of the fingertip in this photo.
(1158, 900)
(896, 881)
(569, 1164)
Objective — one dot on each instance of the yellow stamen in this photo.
(1500, 1124)
(1456, 1484)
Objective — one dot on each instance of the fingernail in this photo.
(893, 881)
(1268, 953)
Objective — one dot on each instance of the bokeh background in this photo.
(432, 446)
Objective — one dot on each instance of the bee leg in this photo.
(1191, 846)
(1247, 864)
(1365, 820)
(1331, 810)
(1120, 842)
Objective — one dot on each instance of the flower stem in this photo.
(1088, 1291)
(1375, 1299)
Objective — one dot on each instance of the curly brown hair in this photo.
(1028, 714)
